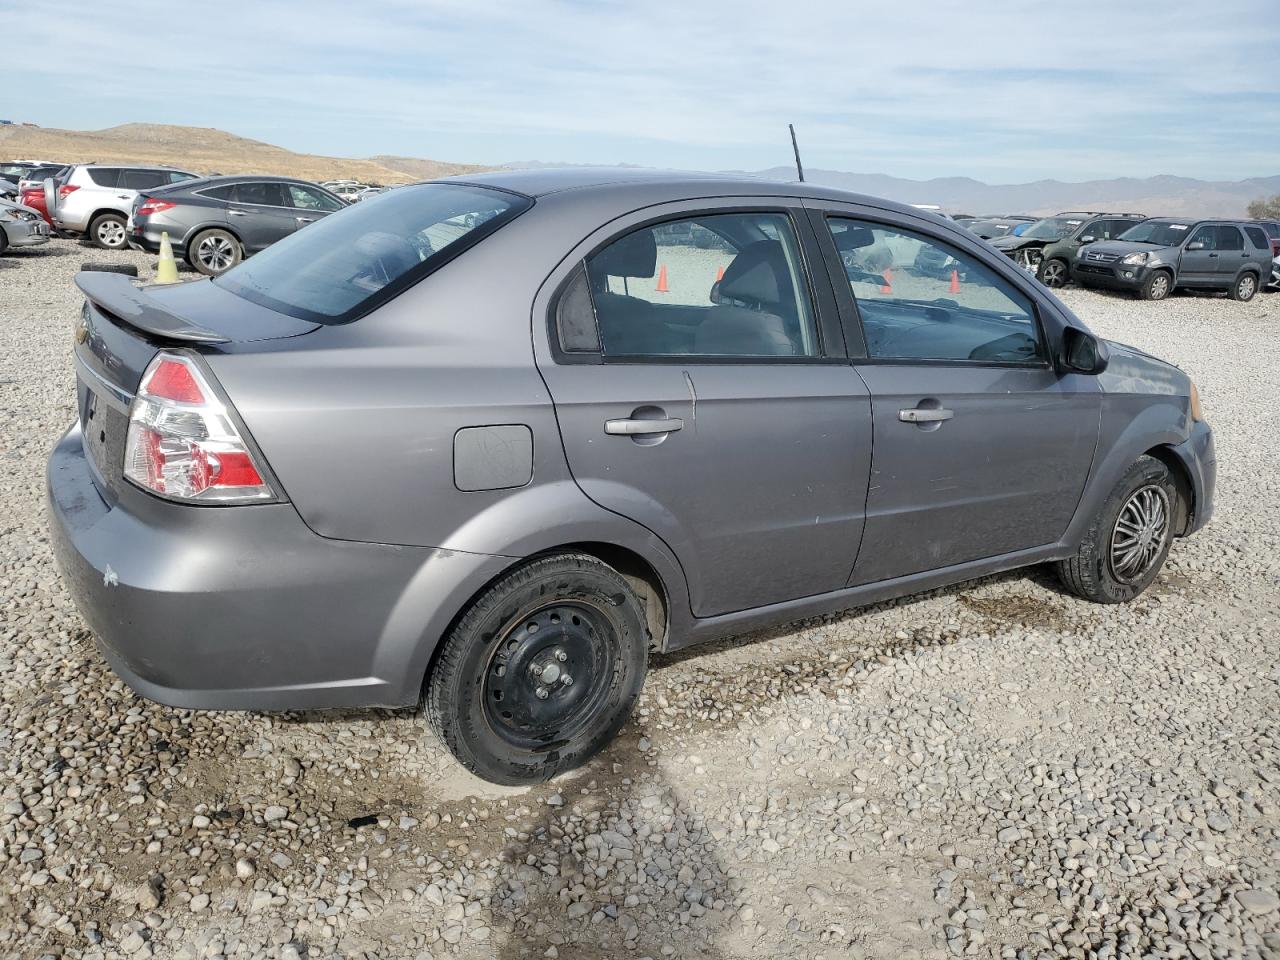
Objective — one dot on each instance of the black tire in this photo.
(1244, 288)
(1157, 286)
(128, 269)
(213, 252)
(536, 626)
(1054, 272)
(1094, 572)
(4, 241)
(107, 230)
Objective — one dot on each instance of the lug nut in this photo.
(561, 656)
(542, 693)
(567, 680)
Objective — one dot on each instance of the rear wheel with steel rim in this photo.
(1246, 286)
(1157, 286)
(541, 671)
(1127, 543)
(107, 231)
(214, 252)
(1054, 273)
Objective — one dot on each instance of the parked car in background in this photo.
(216, 222)
(21, 226)
(1272, 229)
(349, 192)
(32, 188)
(393, 456)
(1157, 256)
(8, 189)
(1026, 248)
(93, 200)
(1274, 283)
(991, 228)
(1054, 269)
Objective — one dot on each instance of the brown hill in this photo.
(205, 150)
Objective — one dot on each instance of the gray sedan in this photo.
(218, 221)
(494, 440)
(21, 226)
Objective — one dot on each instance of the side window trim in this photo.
(825, 311)
(821, 211)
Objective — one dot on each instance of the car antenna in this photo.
(796, 150)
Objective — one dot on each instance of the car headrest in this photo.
(635, 255)
(757, 275)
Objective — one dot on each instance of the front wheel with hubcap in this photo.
(108, 231)
(214, 252)
(1245, 287)
(1125, 547)
(1054, 272)
(1157, 286)
(541, 671)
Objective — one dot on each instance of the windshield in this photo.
(1163, 233)
(349, 262)
(990, 229)
(1052, 228)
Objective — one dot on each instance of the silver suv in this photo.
(94, 201)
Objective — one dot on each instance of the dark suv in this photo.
(216, 222)
(1159, 255)
(1054, 267)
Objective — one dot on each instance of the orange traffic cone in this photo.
(662, 280)
(955, 281)
(719, 274)
(888, 281)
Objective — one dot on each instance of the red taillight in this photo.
(183, 442)
(28, 196)
(154, 206)
(172, 380)
(66, 190)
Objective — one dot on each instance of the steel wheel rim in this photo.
(1053, 273)
(1159, 287)
(1139, 534)
(216, 253)
(562, 650)
(111, 233)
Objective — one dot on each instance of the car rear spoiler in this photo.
(114, 293)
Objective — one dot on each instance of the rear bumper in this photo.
(245, 608)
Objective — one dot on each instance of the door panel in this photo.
(259, 216)
(1003, 473)
(760, 492)
(1198, 267)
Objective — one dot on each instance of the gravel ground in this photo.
(995, 769)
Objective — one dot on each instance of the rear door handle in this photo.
(237, 213)
(924, 415)
(637, 428)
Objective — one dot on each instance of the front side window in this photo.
(719, 285)
(1052, 228)
(344, 265)
(922, 299)
(175, 176)
(305, 198)
(142, 179)
(261, 193)
(1207, 237)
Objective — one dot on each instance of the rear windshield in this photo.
(344, 265)
(1162, 233)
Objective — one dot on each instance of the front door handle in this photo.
(305, 219)
(639, 428)
(924, 415)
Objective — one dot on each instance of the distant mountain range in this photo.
(1175, 196)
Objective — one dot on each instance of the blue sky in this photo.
(999, 91)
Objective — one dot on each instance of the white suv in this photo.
(94, 201)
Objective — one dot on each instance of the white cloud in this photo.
(918, 89)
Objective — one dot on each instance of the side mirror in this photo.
(1082, 352)
(1088, 239)
(1197, 245)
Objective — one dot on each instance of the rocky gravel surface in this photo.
(993, 770)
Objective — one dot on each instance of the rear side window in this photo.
(105, 176)
(142, 179)
(1229, 238)
(1258, 237)
(225, 192)
(342, 266)
(723, 285)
